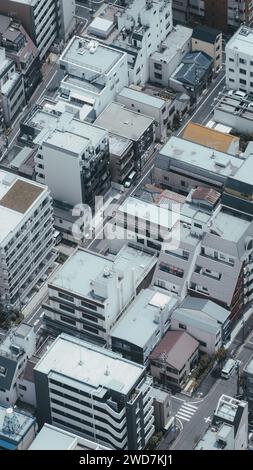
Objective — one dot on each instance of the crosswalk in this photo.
(186, 411)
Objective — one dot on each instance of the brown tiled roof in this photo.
(206, 194)
(175, 349)
(21, 196)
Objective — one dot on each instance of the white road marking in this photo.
(178, 415)
(208, 420)
(191, 406)
(36, 322)
(187, 410)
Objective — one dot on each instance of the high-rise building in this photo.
(239, 61)
(94, 393)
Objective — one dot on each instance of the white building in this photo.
(17, 429)
(94, 73)
(94, 393)
(88, 302)
(44, 20)
(12, 91)
(143, 25)
(239, 60)
(26, 236)
(166, 60)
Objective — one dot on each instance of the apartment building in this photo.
(137, 127)
(143, 25)
(17, 347)
(248, 374)
(164, 62)
(93, 73)
(239, 61)
(208, 40)
(121, 157)
(95, 393)
(155, 107)
(26, 236)
(20, 48)
(88, 302)
(12, 91)
(235, 110)
(44, 20)
(143, 325)
(81, 151)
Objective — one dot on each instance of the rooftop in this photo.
(227, 408)
(67, 141)
(175, 349)
(188, 153)
(210, 137)
(118, 145)
(90, 54)
(128, 124)
(140, 322)
(90, 364)
(216, 439)
(205, 33)
(249, 366)
(53, 438)
(174, 42)
(141, 97)
(17, 196)
(193, 68)
(23, 424)
(209, 308)
(230, 227)
(242, 40)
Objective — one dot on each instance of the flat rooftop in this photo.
(211, 439)
(210, 137)
(75, 277)
(67, 141)
(128, 124)
(118, 145)
(138, 324)
(17, 196)
(186, 153)
(90, 54)
(230, 227)
(25, 421)
(141, 97)
(176, 39)
(92, 365)
(242, 41)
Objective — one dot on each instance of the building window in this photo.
(88, 305)
(22, 387)
(182, 326)
(69, 298)
(3, 371)
(242, 71)
(158, 66)
(68, 309)
(242, 81)
(158, 76)
(67, 320)
(242, 61)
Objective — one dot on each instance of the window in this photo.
(242, 71)
(158, 76)
(68, 309)
(182, 326)
(202, 343)
(67, 320)
(69, 298)
(158, 66)
(22, 387)
(242, 61)
(88, 305)
(242, 81)
(3, 371)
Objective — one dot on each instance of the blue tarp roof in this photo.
(7, 445)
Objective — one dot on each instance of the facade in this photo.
(44, 20)
(208, 40)
(174, 358)
(140, 129)
(81, 150)
(26, 238)
(235, 111)
(54, 438)
(143, 25)
(239, 61)
(161, 408)
(20, 48)
(165, 61)
(12, 92)
(154, 107)
(17, 429)
(17, 347)
(88, 303)
(93, 73)
(143, 325)
(93, 392)
(121, 157)
(206, 321)
(248, 374)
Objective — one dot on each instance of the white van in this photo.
(130, 179)
(228, 368)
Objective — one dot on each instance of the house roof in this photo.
(209, 137)
(175, 348)
(206, 195)
(205, 33)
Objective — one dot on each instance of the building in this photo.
(235, 109)
(87, 303)
(212, 138)
(143, 325)
(20, 48)
(26, 237)
(208, 40)
(137, 127)
(17, 429)
(121, 157)
(239, 61)
(53, 438)
(81, 151)
(165, 61)
(162, 408)
(206, 321)
(17, 347)
(229, 429)
(193, 75)
(174, 358)
(12, 92)
(44, 20)
(93, 73)
(143, 25)
(248, 374)
(155, 107)
(93, 392)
